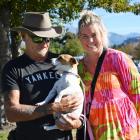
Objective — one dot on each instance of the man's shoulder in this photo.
(15, 62)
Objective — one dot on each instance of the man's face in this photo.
(36, 46)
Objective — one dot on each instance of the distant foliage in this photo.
(137, 51)
(73, 47)
(56, 46)
(68, 44)
(132, 49)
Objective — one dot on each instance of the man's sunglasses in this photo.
(39, 40)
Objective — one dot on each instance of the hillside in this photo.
(117, 39)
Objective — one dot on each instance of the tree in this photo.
(73, 47)
(69, 44)
(137, 51)
(56, 46)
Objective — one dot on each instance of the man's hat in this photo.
(39, 24)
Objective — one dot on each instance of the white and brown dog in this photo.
(68, 84)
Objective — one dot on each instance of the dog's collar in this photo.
(67, 72)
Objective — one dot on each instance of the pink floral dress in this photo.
(115, 108)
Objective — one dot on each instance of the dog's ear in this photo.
(73, 61)
(60, 57)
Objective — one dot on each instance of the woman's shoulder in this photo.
(118, 57)
(115, 53)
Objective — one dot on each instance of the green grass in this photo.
(3, 135)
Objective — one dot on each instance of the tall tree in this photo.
(73, 47)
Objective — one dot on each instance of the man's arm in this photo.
(16, 112)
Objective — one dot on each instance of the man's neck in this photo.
(37, 58)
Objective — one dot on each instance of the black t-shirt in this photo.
(34, 80)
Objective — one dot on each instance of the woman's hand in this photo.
(70, 122)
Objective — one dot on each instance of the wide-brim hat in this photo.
(39, 24)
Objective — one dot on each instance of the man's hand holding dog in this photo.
(70, 102)
(71, 122)
(67, 103)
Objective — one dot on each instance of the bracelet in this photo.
(83, 121)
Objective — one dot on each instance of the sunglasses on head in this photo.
(39, 40)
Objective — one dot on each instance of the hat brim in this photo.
(52, 33)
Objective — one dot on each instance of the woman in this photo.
(112, 85)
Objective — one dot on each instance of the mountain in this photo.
(132, 35)
(117, 39)
(132, 40)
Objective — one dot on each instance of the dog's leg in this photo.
(69, 91)
(64, 92)
(51, 94)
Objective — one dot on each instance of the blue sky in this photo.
(121, 23)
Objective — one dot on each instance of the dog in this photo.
(68, 83)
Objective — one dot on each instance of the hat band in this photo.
(36, 29)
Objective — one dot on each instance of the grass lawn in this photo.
(3, 135)
(5, 131)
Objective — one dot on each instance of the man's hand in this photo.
(70, 122)
(70, 102)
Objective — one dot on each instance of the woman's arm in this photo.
(130, 78)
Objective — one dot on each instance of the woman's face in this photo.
(91, 39)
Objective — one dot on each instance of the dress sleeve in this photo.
(130, 78)
(9, 78)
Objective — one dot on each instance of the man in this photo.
(28, 79)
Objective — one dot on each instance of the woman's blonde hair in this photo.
(89, 18)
